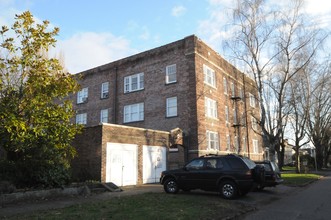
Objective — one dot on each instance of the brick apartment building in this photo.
(184, 84)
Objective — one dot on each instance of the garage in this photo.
(121, 164)
(154, 162)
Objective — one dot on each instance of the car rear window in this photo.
(236, 163)
(249, 162)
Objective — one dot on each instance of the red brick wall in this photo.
(189, 55)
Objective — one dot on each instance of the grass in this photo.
(288, 168)
(149, 206)
(298, 179)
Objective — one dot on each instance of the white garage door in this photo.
(121, 164)
(154, 162)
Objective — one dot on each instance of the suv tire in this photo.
(170, 186)
(228, 189)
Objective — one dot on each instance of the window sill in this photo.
(170, 83)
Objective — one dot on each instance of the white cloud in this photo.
(178, 11)
(216, 28)
(87, 50)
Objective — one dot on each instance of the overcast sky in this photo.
(97, 32)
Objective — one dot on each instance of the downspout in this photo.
(246, 120)
(115, 98)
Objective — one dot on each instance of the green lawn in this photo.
(298, 179)
(288, 168)
(149, 206)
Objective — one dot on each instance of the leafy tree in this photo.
(35, 129)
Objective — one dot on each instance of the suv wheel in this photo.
(228, 189)
(170, 186)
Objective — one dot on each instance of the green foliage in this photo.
(35, 127)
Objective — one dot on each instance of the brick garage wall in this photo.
(91, 145)
(87, 164)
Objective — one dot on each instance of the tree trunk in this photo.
(297, 161)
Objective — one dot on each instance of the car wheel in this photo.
(228, 189)
(170, 186)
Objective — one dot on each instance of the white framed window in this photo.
(105, 90)
(134, 112)
(225, 86)
(235, 121)
(210, 108)
(244, 144)
(236, 143)
(82, 96)
(243, 119)
(134, 82)
(226, 115)
(233, 92)
(241, 93)
(172, 107)
(104, 116)
(212, 140)
(228, 142)
(255, 146)
(171, 71)
(81, 119)
(254, 123)
(251, 100)
(209, 75)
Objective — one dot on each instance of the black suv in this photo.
(231, 175)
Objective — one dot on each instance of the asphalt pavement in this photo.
(305, 203)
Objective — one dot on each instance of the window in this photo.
(236, 164)
(209, 76)
(212, 140)
(235, 122)
(104, 90)
(243, 119)
(244, 145)
(232, 90)
(213, 164)
(228, 143)
(104, 116)
(251, 100)
(225, 85)
(134, 112)
(171, 74)
(210, 108)
(241, 93)
(236, 143)
(195, 164)
(226, 115)
(254, 123)
(134, 82)
(82, 96)
(172, 107)
(81, 119)
(255, 146)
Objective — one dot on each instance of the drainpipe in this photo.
(246, 120)
(115, 98)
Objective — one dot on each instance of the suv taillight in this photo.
(249, 173)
